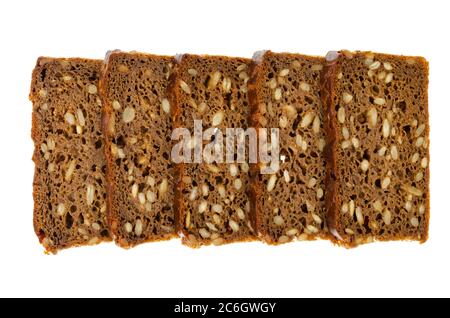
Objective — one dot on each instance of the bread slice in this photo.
(285, 94)
(378, 138)
(137, 128)
(212, 200)
(69, 181)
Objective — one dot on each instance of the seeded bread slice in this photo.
(69, 181)
(137, 128)
(378, 138)
(285, 93)
(212, 200)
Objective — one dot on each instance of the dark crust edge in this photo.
(255, 190)
(328, 83)
(174, 98)
(426, 66)
(35, 135)
(107, 147)
(110, 172)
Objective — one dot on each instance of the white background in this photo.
(89, 29)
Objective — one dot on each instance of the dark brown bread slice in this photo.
(137, 128)
(212, 200)
(378, 138)
(69, 181)
(285, 93)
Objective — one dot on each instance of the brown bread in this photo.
(137, 128)
(285, 93)
(69, 182)
(212, 201)
(377, 147)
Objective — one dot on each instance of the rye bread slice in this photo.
(212, 198)
(377, 147)
(284, 93)
(69, 187)
(137, 127)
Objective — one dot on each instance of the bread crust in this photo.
(327, 90)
